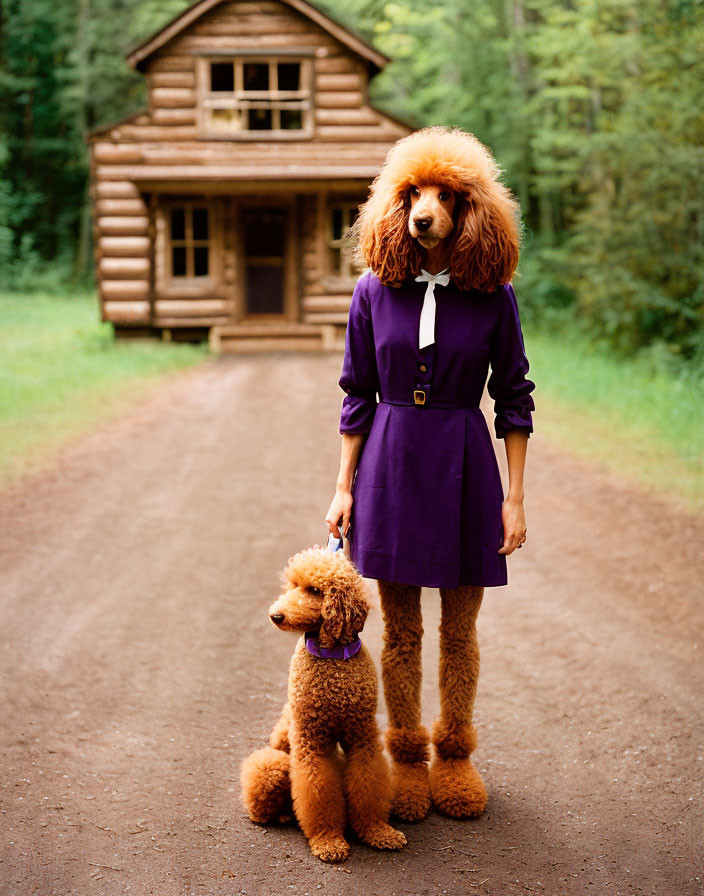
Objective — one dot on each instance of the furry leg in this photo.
(456, 785)
(279, 736)
(319, 802)
(368, 790)
(406, 739)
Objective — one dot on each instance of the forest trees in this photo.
(594, 109)
(62, 72)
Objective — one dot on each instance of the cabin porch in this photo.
(261, 268)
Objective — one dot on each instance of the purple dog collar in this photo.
(339, 652)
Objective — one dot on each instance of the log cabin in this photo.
(223, 208)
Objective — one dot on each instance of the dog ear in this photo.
(484, 253)
(344, 612)
(383, 240)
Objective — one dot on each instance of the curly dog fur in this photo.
(486, 236)
(330, 702)
(451, 783)
(481, 245)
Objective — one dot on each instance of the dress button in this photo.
(422, 368)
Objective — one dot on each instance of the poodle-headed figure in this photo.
(479, 224)
(332, 699)
(437, 202)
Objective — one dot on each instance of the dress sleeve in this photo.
(508, 384)
(359, 378)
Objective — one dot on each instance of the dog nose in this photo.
(423, 224)
(276, 618)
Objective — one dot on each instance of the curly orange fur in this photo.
(331, 701)
(339, 608)
(485, 244)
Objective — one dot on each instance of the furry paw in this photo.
(331, 849)
(457, 788)
(411, 788)
(384, 837)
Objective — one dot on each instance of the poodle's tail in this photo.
(266, 786)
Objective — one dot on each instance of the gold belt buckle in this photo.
(419, 396)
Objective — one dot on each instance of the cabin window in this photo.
(341, 216)
(242, 97)
(189, 233)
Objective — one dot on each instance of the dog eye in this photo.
(415, 191)
(314, 590)
(444, 196)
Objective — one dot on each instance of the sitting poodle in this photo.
(332, 698)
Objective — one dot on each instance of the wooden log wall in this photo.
(326, 299)
(122, 251)
(340, 79)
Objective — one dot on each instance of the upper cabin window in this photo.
(341, 216)
(189, 233)
(249, 97)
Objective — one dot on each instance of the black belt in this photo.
(435, 404)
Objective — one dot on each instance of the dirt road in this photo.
(138, 665)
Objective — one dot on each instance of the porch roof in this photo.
(224, 176)
(224, 163)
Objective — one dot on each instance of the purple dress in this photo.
(427, 489)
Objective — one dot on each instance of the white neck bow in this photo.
(426, 332)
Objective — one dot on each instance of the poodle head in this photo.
(484, 237)
(431, 218)
(322, 592)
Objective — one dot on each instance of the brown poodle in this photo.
(438, 198)
(332, 698)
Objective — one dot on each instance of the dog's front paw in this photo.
(384, 837)
(331, 849)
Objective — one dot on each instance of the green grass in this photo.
(640, 422)
(62, 372)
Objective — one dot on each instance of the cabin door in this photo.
(264, 232)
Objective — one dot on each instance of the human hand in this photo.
(341, 507)
(514, 520)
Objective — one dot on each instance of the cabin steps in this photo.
(275, 337)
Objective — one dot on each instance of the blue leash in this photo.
(335, 544)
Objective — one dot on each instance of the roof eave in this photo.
(104, 129)
(140, 52)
